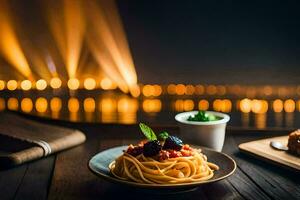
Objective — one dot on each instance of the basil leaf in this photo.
(148, 132)
(163, 135)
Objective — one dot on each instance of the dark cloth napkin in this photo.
(23, 140)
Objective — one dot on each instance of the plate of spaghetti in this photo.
(161, 161)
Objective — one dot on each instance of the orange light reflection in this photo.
(152, 105)
(12, 104)
(203, 104)
(26, 105)
(41, 105)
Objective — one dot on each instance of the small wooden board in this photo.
(263, 149)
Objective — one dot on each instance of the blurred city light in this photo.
(12, 85)
(26, 105)
(277, 106)
(26, 85)
(55, 104)
(55, 83)
(89, 105)
(13, 104)
(289, 105)
(41, 84)
(203, 104)
(89, 84)
(73, 84)
(41, 104)
(2, 85)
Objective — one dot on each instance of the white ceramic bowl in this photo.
(210, 134)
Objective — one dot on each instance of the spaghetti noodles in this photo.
(147, 170)
(162, 159)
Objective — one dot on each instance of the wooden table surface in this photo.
(66, 176)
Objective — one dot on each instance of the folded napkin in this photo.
(23, 140)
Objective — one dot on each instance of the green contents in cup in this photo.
(203, 116)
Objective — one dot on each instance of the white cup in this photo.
(209, 134)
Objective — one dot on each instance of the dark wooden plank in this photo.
(279, 183)
(36, 181)
(71, 178)
(10, 181)
(240, 181)
(220, 190)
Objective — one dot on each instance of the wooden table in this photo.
(66, 176)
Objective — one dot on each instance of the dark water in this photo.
(114, 107)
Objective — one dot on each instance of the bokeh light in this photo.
(203, 104)
(26, 105)
(224, 105)
(55, 104)
(41, 84)
(41, 104)
(189, 90)
(2, 85)
(13, 104)
(135, 91)
(188, 105)
(221, 90)
(127, 108)
(179, 105)
(73, 84)
(26, 85)
(171, 89)
(180, 89)
(184, 105)
(157, 90)
(127, 105)
(217, 104)
(55, 83)
(199, 89)
(108, 108)
(267, 90)
(89, 84)
(152, 105)
(277, 105)
(106, 84)
(227, 106)
(12, 85)
(289, 105)
(73, 105)
(108, 105)
(89, 105)
(259, 106)
(148, 90)
(211, 90)
(245, 105)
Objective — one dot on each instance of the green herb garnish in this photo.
(203, 116)
(163, 135)
(148, 132)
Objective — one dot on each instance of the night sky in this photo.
(194, 41)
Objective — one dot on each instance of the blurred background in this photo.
(136, 60)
